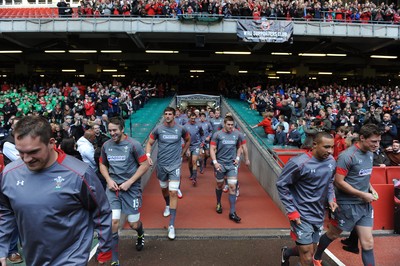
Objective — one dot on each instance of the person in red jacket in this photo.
(267, 125)
(150, 8)
(89, 107)
(340, 141)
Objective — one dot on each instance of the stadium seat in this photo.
(392, 172)
(286, 156)
(384, 207)
(378, 175)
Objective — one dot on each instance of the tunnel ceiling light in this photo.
(311, 54)
(279, 53)
(161, 52)
(83, 51)
(324, 73)
(68, 70)
(54, 51)
(283, 72)
(384, 56)
(337, 55)
(111, 51)
(233, 53)
(10, 51)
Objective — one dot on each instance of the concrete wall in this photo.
(262, 164)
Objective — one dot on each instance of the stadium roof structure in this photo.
(121, 43)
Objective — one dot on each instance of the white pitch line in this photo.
(334, 258)
(93, 252)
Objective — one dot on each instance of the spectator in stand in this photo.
(113, 105)
(9, 109)
(86, 149)
(380, 158)
(293, 138)
(68, 145)
(62, 6)
(393, 153)
(389, 131)
(280, 136)
(340, 141)
(267, 125)
(283, 123)
(89, 106)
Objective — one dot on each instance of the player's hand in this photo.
(236, 162)
(112, 185)
(248, 162)
(188, 153)
(298, 221)
(218, 167)
(3, 261)
(368, 197)
(125, 186)
(374, 193)
(333, 206)
(150, 160)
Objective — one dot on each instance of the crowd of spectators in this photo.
(338, 11)
(73, 108)
(292, 115)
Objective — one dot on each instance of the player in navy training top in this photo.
(225, 151)
(305, 188)
(354, 195)
(56, 200)
(169, 161)
(122, 163)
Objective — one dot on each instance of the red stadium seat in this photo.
(378, 175)
(392, 172)
(384, 207)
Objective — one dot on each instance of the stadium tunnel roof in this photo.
(196, 51)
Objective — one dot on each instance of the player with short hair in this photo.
(225, 151)
(196, 132)
(56, 200)
(169, 161)
(205, 140)
(305, 187)
(122, 163)
(354, 194)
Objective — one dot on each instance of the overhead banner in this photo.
(264, 30)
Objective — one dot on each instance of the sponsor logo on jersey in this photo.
(20, 182)
(169, 136)
(58, 181)
(228, 142)
(116, 158)
(126, 148)
(364, 172)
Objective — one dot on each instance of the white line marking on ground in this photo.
(93, 252)
(334, 258)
